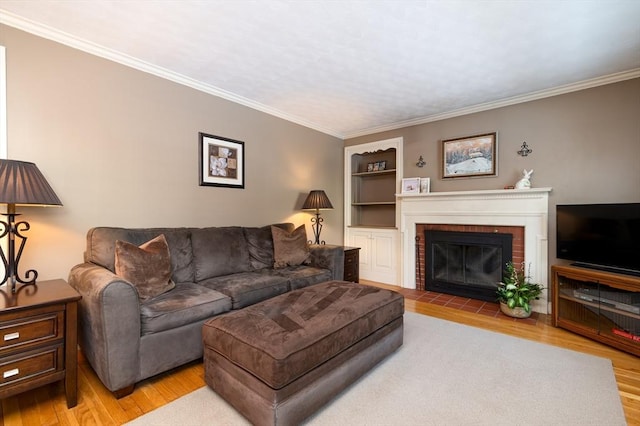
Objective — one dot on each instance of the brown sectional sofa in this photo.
(215, 270)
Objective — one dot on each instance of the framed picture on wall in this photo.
(221, 161)
(471, 156)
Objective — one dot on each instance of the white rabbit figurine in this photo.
(524, 183)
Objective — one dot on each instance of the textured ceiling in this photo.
(354, 67)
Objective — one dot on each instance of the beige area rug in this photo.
(449, 374)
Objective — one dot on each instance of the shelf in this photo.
(378, 173)
(371, 227)
(598, 305)
(375, 203)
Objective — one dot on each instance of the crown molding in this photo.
(547, 93)
(61, 37)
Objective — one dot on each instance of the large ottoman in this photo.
(280, 360)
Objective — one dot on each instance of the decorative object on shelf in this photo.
(525, 182)
(517, 291)
(370, 167)
(24, 185)
(425, 185)
(411, 185)
(316, 200)
(421, 162)
(221, 161)
(472, 156)
(524, 150)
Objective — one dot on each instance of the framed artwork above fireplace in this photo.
(471, 156)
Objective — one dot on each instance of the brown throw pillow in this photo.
(147, 267)
(289, 248)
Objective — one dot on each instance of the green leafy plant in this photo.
(517, 290)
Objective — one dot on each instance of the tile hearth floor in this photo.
(464, 304)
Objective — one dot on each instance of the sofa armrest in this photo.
(109, 324)
(329, 257)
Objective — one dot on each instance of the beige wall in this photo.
(120, 148)
(586, 146)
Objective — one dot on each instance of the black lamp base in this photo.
(11, 260)
(317, 228)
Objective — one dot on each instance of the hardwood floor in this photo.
(96, 405)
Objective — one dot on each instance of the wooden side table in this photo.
(39, 338)
(352, 264)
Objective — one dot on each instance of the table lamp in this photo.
(317, 200)
(21, 183)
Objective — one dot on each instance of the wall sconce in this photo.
(317, 200)
(421, 162)
(21, 184)
(524, 150)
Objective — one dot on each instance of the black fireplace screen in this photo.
(468, 264)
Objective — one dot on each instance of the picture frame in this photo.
(382, 165)
(370, 167)
(411, 185)
(471, 156)
(425, 185)
(221, 161)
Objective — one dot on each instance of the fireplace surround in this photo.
(527, 208)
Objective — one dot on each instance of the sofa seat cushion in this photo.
(283, 338)
(247, 288)
(303, 276)
(185, 304)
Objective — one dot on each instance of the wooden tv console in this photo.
(603, 306)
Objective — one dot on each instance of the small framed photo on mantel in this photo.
(411, 185)
(221, 161)
(425, 185)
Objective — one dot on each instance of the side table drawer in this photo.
(351, 264)
(45, 325)
(31, 365)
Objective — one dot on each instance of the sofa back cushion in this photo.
(101, 243)
(219, 251)
(260, 243)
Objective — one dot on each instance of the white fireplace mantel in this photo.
(528, 208)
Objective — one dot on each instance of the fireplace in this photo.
(467, 264)
(489, 210)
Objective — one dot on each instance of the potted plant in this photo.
(517, 291)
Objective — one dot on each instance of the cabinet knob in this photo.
(10, 373)
(11, 336)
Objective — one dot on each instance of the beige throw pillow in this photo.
(289, 248)
(147, 267)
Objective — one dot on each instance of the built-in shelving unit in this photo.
(373, 172)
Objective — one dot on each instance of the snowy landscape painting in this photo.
(469, 156)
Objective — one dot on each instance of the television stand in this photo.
(606, 268)
(600, 305)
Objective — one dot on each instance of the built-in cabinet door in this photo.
(378, 250)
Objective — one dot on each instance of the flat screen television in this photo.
(600, 236)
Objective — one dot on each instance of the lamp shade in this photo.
(22, 183)
(317, 199)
